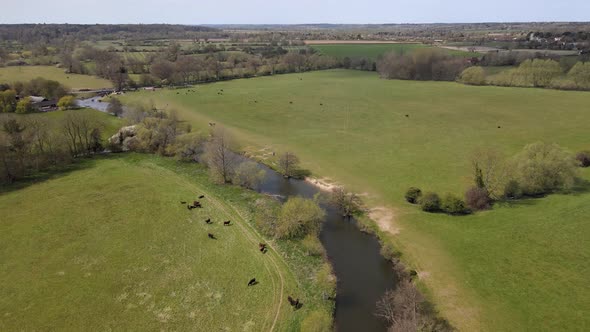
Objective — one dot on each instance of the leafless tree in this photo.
(347, 203)
(218, 156)
(288, 164)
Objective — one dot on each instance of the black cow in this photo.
(211, 236)
(227, 223)
(294, 303)
(208, 221)
(252, 282)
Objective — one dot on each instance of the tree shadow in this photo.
(55, 172)
(581, 186)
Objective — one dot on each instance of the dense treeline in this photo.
(534, 73)
(50, 33)
(32, 144)
(423, 64)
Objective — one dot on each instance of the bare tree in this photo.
(401, 308)
(348, 203)
(288, 164)
(218, 156)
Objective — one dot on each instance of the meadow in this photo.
(511, 268)
(72, 81)
(373, 51)
(108, 246)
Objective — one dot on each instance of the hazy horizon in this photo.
(266, 12)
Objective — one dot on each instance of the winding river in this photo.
(363, 274)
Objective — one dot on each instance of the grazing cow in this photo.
(262, 247)
(182, 202)
(290, 102)
(499, 127)
(211, 236)
(294, 303)
(227, 223)
(256, 101)
(197, 204)
(321, 104)
(202, 196)
(190, 207)
(208, 221)
(407, 115)
(252, 282)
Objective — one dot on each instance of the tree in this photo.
(430, 202)
(115, 107)
(413, 195)
(473, 76)
(8, 101)
(24, 106)
(218, 157)
(164, 70)
(489, 171)
(348, 203)
(288, 164)
(583, 158)
(453, 205)
(478, 198)
(580, 74)
(543, 168)
(66, 103)
(249, 175)
(266, 215)
(299, 217)
(402, 308)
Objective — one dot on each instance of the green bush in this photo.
(389, 252)
(312, 245)
(413, 195)
(542, 168)
(430, 202)
(317, 321)
(473, 76)
(453, 205)
(512, 190)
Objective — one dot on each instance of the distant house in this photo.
(44, 105)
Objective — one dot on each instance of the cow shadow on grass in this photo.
(55, 172)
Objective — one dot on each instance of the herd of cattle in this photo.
(262, 247)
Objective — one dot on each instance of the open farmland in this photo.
(72, 81)
(505, 269)
(108, 246)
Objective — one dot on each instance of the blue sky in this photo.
(291, 12)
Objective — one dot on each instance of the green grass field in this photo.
(519, 266)
(72, 81)
(108, 246)
(373, 51)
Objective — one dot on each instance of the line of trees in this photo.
(533, 73)
(32, 144)
(539, 169)
(424, 64)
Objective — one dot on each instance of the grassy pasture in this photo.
(73, 81)
(109, 247)
(519, 266)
